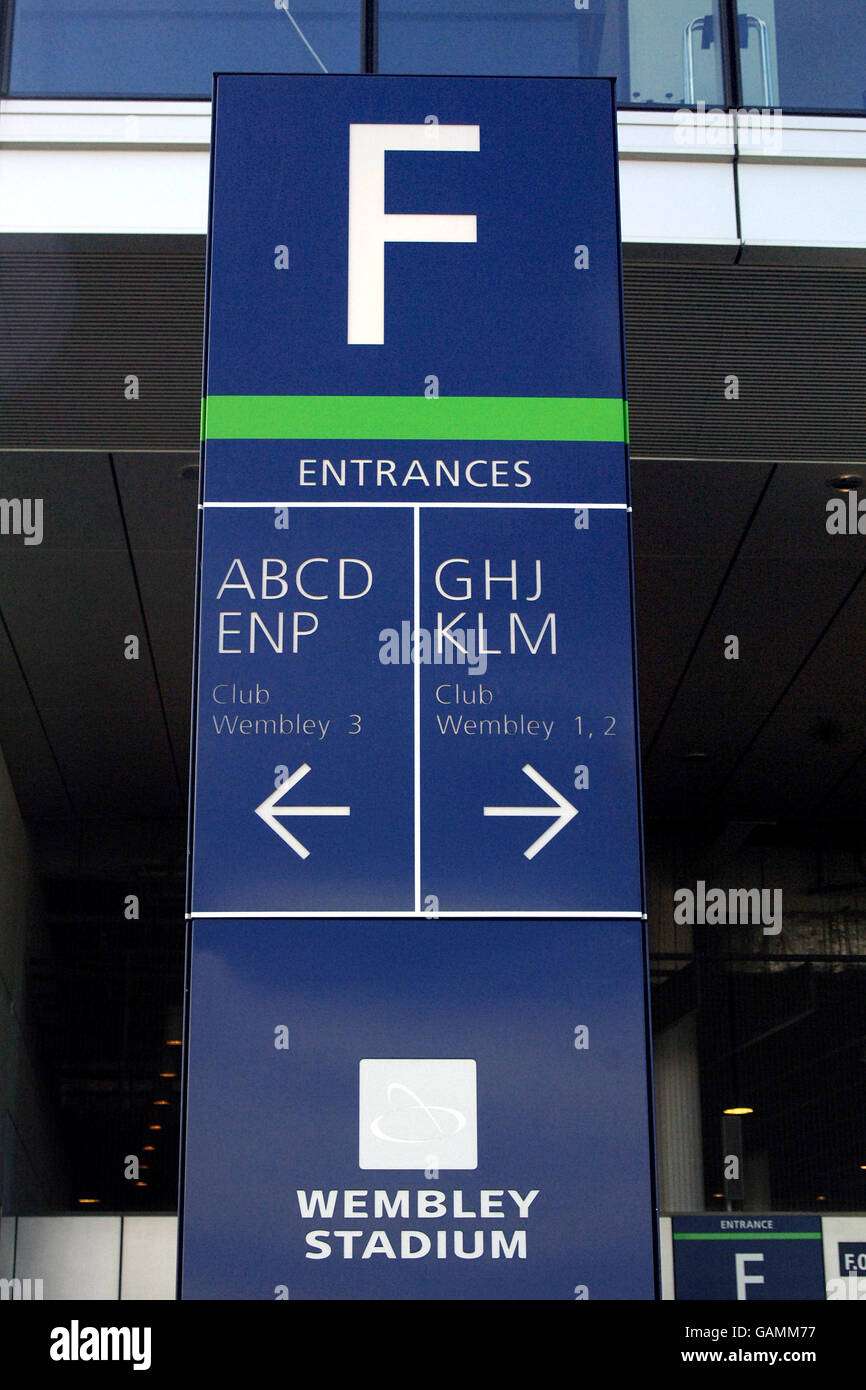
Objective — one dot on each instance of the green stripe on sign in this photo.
(750, 1235)
(566, 418)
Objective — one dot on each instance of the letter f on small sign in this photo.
(370, 226)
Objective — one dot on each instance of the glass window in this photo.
(116, 48)
(662, 52)
(802, 56)
(764, 1014)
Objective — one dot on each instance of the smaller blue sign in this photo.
(514, 310)
(852, 1258)
(748, 1257)
(443, 471)
(303, 796)
(417, 1110)
(528, 751)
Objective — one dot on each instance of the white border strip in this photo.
(416, 697)
(666, 1258)
(376, 913)
(499, 506)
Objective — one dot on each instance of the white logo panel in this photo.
(417, 1113)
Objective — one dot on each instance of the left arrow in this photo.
(269, 811)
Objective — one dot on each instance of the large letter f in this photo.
(370, 226)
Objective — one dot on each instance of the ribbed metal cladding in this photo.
(78, 316)
(794, 338)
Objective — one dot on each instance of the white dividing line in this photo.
(416, 696)
(374, 912)
(449, 506)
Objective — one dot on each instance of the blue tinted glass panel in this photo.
(662, 52)
(802, 55)
(106, 48)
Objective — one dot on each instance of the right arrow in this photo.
(562, 810)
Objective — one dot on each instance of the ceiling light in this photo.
(845, 482)
(739, 1110)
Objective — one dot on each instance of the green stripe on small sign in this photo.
(748, 1235)
(567, 418)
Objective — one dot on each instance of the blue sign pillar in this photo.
(417, 1030)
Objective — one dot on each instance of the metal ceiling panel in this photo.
(69, 603)
(69, 615)
(688, 520)
(790, 580)
(82, 315)
(159, 494)
(818, 729)
(33, 769)
(791, 335)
